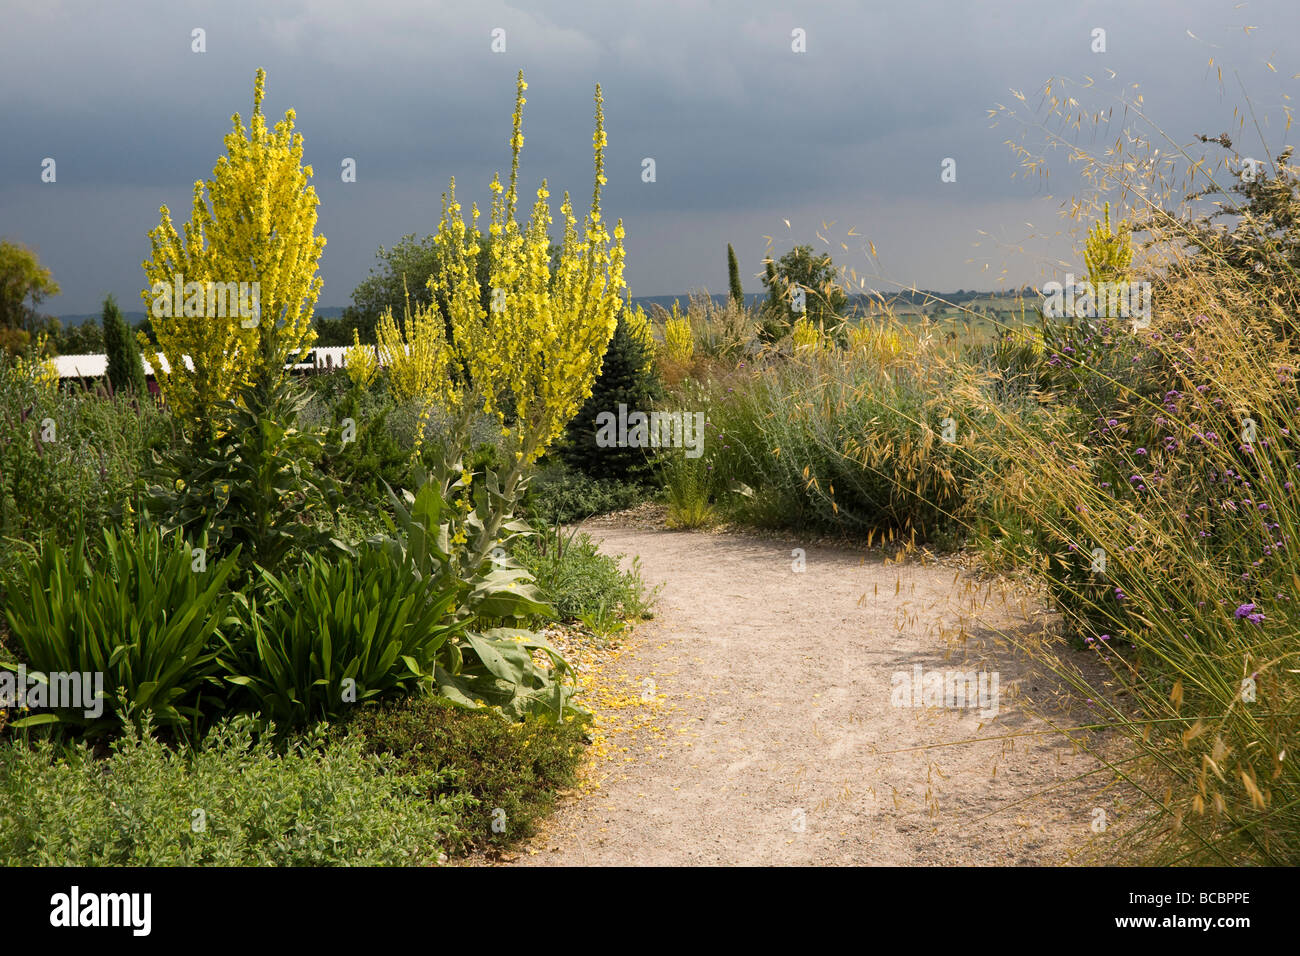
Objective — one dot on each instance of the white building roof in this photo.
(96, 365)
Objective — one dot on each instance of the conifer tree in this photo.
(733, 275)
(125, 373)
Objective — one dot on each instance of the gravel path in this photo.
(765, 732)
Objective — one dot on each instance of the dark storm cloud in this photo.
(744, 132)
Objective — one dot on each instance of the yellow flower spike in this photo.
(262, 173)
(538, 356)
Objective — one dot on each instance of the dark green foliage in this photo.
(256, 485)
(824, 299)
(733, 277)
(773, 321)
(402, 269)
(141, 614)
(125, 372)
(375, 457)
(84, 339)
(516, 768)
(563, 494)
(338, 633)
(627, 377)
(333, 332)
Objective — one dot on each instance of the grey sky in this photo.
(745, 133)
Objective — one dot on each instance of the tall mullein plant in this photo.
(529, 355)
(253, 221)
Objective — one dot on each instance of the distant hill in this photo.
(923, 299)
(135, 318)
(995, 300)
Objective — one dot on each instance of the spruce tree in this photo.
(125, 372)
(627, 377)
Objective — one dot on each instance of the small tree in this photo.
(401, 272)
(22, 277)
(824, 299)
(733, 276)
(85, 338)
(125, 371)
(1254, 231)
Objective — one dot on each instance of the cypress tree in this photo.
(733, 275)
(125, 371)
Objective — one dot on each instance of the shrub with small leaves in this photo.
(490, 763)
(231, 801)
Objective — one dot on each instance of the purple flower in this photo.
(1248, 611)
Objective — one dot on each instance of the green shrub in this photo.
(691, 487)
(374, 457)
(233, 801)
(580, 581)
(494, 764)
(560, 494)
(140, 614)
(816, 274)
(81, 476)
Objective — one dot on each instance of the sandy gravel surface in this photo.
(760, 726)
